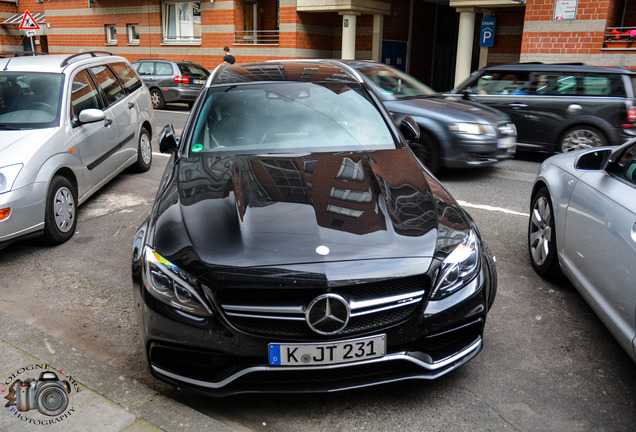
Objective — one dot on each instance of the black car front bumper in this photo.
(215, 358)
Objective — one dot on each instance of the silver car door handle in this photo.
(108, 122)
(634, 232)
(131, 105)
(518, 105)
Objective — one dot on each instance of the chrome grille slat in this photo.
(373, 305)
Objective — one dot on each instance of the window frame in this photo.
(131, 29)
(110, 40)
(181, 36)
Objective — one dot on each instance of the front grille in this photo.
(280, 311)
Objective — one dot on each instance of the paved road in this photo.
(547, 364)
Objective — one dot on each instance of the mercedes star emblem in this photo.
(328, 314)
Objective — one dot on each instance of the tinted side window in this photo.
(127, 76)
(192, 69)
(502, 83)
(107, 80)
(84, 94)
(163, 69)
(146, 68)
(626, 166)
(555, 83)
(603, 85)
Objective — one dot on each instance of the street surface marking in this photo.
(491, 208)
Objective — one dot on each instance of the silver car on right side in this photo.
(583, 224)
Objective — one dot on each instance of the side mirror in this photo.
(409, 129)
(593, 160)
(168, 139)
(89, 115)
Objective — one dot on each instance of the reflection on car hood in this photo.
(246, 211)
(17, 145)
(451, 108)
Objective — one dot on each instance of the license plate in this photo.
(307, 354)
(506, 142)
(198, 81)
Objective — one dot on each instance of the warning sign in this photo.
(28, 23)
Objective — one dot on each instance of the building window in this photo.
(133, 34)
(344, 211)
(351, 170)
(111, 34)
(181, 22)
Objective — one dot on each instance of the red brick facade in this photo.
(524, 32)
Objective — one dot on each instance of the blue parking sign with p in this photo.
(487, 33)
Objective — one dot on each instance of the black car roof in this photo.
(285, 70)
(563, 67)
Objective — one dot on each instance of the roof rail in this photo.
(6, 54)
(91, 53)
(154, 58)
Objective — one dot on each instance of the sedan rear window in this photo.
(289, 117)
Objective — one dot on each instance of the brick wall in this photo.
(578, 40)
(508, 36)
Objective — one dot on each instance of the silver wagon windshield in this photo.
(30, 100)
(289, 117)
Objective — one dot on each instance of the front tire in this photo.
(542, 236)
(156, 98)
(428, 153)
(144, 152)
(582, 137)
(60, 217)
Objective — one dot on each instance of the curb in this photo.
(102, 398)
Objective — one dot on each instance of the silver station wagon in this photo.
(68, 125)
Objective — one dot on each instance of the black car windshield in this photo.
(289, 117)
(30, 100)
(392, 84)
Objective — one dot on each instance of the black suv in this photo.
(171, 81)
(559, 107)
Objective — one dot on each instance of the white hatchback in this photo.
(68, 125)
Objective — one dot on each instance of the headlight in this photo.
(8, 175)
(173, 286)
(458, 269)
(472, 128)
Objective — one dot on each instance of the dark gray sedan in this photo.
(583, 223)
(454, 133)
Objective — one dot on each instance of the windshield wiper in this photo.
(7, 127)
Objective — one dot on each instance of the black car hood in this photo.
(251, 211)
(450, 108)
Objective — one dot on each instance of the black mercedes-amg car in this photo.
(296, 244)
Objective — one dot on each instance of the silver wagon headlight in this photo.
(8, 175)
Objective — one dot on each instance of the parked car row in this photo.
(299, 241)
